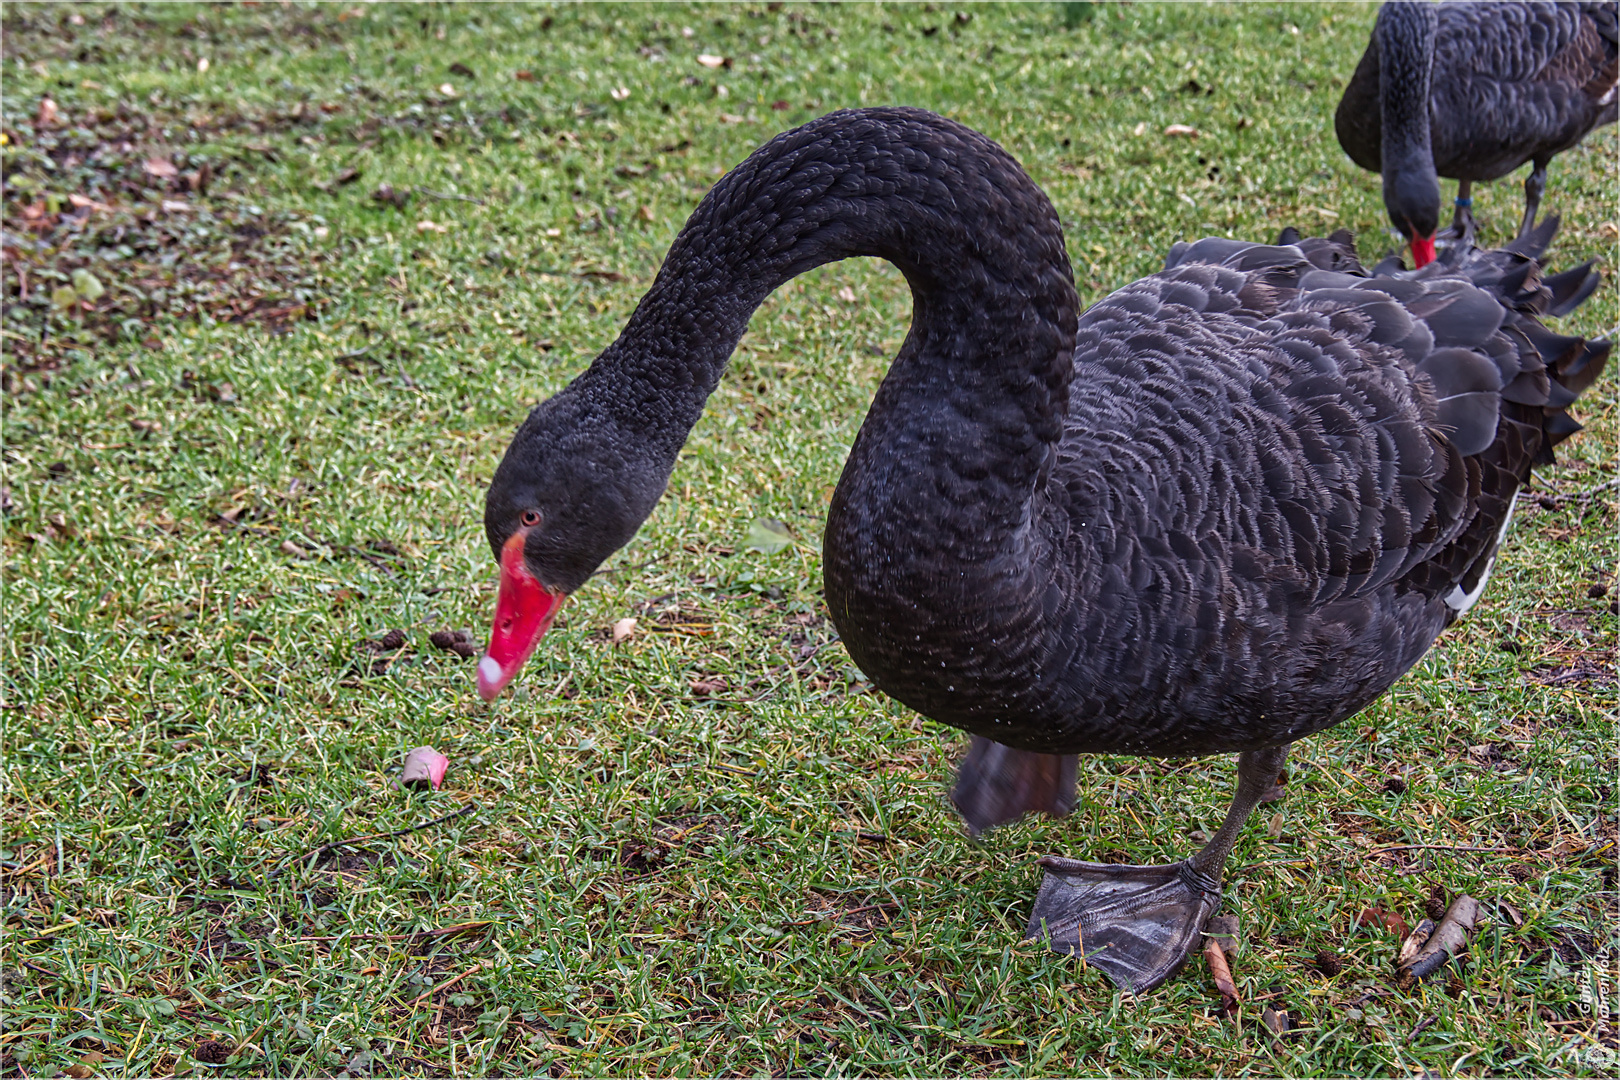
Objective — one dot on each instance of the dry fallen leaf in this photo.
(1384, 920)
(523, 76)
(446, 90)
(732, 118)
(424, 767)
(389, 196)
(1275, 1022)
(345, 176)
(622, 629)
(1140, 129)
(162, 168)
(430, 226)
(1222, 974)
(619, 93)
(646, 213)
(708, 687)
(709, 60)
(82, 201)
(847, 295)
(47, 115)
(1175, 130)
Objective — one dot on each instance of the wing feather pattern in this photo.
(1289, 475)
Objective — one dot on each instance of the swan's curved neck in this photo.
(976, 398)
(1405, 33)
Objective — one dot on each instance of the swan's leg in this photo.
(996, 784)
(1462, 216)
(1138, 923)
(1534, 185)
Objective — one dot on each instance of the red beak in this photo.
(1422, 251)
(523, 613)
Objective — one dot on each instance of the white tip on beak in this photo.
(489, 678)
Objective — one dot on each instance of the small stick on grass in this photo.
(324, 848)
(436, 931)
(448, 197)
(247, 1040)
(1441, 847)
(445, 985)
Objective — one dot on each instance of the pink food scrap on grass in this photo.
(424, 767)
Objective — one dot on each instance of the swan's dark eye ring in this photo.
(531, 518)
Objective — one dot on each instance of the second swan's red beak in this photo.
(524, 609)
(1422, 251)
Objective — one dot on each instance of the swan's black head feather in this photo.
(588, 479)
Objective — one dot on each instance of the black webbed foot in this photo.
(1138, 924)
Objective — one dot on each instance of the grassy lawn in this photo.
(709, 848)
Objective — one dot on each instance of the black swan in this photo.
(1224, 509)
(1472, 91)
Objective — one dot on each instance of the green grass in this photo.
(664, 882)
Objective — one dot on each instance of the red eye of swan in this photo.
(531, 518)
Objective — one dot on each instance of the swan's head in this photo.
(570, 491)
(1413, 200)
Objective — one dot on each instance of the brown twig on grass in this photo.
(1441, 847)
(448, 196)
(247, 1040)
(445, 985)
(1583, 496)
(324, 848)
(437, 931)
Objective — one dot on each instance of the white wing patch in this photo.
(1460, 601)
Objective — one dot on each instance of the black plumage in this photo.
(1472, 91)
(1225, 508)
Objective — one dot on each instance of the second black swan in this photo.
(1472, 91)
(1225, 508)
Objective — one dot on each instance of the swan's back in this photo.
(1282, 478)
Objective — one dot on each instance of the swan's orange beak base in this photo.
(1422, 251)
(524, 609)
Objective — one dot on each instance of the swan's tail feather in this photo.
(996, 784)
(1532, 244)
(1552, 369)
(1571, 288)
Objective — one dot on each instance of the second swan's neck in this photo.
(976, 398)
(1405, 33)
